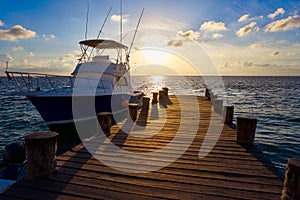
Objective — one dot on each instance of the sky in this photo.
(192, 37)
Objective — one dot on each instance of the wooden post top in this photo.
(133, 105)
(248, 118)
(41, 135)
(295, 161)
(103, 113)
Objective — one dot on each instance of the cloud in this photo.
(190, 35)
(48, 37)
(17, 48)
(247, 29)
(16, 32)
(283, 24)
(246, 18)
(6, 58)
(254, 46)
(217, 36)
(270, 65)
(277, 12)
(117, 18)
(183, 37)
(30, 53)
(213, 26)
(290, 54)
(275, 53)
(1, 23)
(175, 43)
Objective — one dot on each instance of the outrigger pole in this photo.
(87, 21)
(104, 23)
(137, 26)
(100, 31)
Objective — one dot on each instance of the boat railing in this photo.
(36, 82)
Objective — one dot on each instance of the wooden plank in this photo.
(204, 174)
(147, 179)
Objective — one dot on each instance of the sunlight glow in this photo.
(156, 56)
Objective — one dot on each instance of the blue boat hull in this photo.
(57, 110)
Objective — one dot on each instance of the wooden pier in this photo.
(229, 171)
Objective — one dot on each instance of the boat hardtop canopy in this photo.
(103, 44)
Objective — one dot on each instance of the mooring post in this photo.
(291, 189)
(146, 101)
(41, 154)
(154, 97)
(133, 108)
(213, 98)
(161, 94)
(166, 91)
(245, 130)
(218, 105)
(105, 121)
(228, 112)
(207, 93)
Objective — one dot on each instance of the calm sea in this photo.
(274, 101)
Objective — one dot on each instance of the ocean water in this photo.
(274, 101)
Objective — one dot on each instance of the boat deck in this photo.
(229, 171)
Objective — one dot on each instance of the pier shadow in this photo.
(258, 154)
(121, 135)
(56, 185)
(165, 101)
(154, 112)
(142, 119)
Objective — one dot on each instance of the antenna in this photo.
(121, 19)
(87, 20)
(137, 26)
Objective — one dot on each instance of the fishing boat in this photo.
(101, 76)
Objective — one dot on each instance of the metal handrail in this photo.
(32, 82)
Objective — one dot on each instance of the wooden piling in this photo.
(228, 112)
(213, 99)
(166, 91)
(207, 93)
(133, 108)
(154, 97)
(146, 101)
(105, 121)
(218, 105)
(245, 130)
(41, 154)
(291, 188)
(161, 94)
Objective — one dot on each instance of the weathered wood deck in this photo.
(229, 171)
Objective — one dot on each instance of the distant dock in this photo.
(229, 171)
